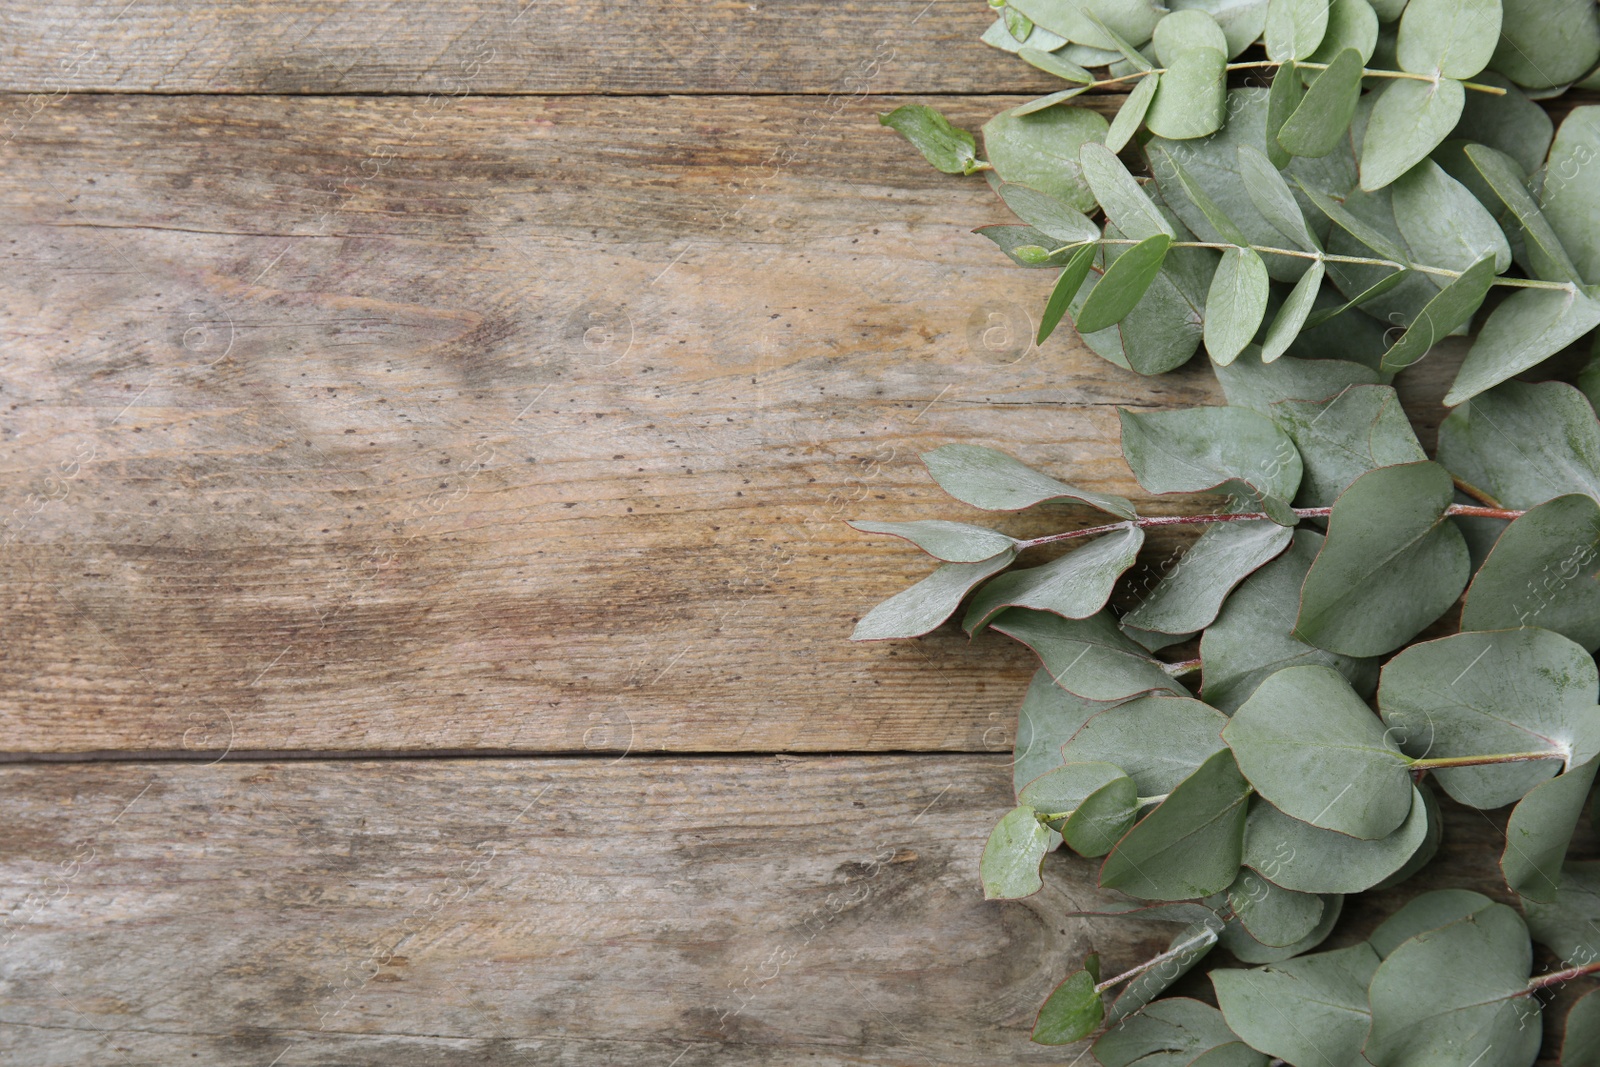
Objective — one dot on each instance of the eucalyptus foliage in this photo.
(1316, 194)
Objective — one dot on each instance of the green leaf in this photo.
(1248, 382)
(1299, 856)
(1321, 121)
(1191, 100)
(1430, 911)
(1391, 564)
(1275, 201)
(1048, 717)
(1122, 285)
(1066, 287)
(1132, 112)
(1512, 123)
(1089, 657)
(1053, 64)
(1161, 332)
(1158, 741)
(953, 542)
(1075, 585)
(1544, 45)
(1011, 859)
(1175, 1031)
(1213, 449)
(1433, 836)
(1246, 949)
(994, 481)
(1339, 439)
(1311, 747)
(1295, 28)
(1548, 258)
(1065, 787)
(1310, 1011)
(1454, 38)
(1580, 1044)
(1191, 844)
(1392, 280)
(1241, 20)
(1443, 224)
(1055, 219)
(1522, 444)
(1541, 573)
(1025, 246)
(1119, 194)
(1166, 167)
(947, 147)
(1041, 150)
(1292, 315)
(1570, 196)
(1040, 103)
(1087, 21)
(1352, 224)
(1409, 121)
(1187, 948)
(1072, 1011)
(1351, 24)
(1490, 693)
(1482, 1010)
(1251, 638)
(915, 611)
(1570, 926)
(1188, 597)
(1104, 816)
(1236, 304)
(1274, 916)
(1541, 829)
(1451, 309)
(1284, 96)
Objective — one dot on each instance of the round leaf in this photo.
(1299, 856)
(1541, 573)
(1236, 303)
(1011, 859)
(1408, 122)
(1311, 1010)
(1454, 38)
(1158, 741)
(1041, 150)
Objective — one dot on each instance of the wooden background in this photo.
(428, 430)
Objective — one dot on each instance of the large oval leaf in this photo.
(1089, 657)
(1191, 844)
(1188, 597)
(1409, 121)
(1213, 449)
(1299, 856)
(1522, 444)
(1311, 1010)
(1454, 38)
(1541, 573)
(1158, 741)
(1041, 150)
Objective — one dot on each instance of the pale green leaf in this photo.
(1540, 830)
(1443, 224)
(1058, 220)
(1362, 428)
(1291, 317)
(1213, 449)
(1248, 382)
(1089, 657)
(1322, 119)
(1073, 275)
(1085, 21)
(1119, 194)
(1273, 198)
(1512, 123)
(1075, 585)
(1430, 911)
(1521, 444)
(953, 542)
(1053, 64)
(1132, 112)
(1528, 327)
(1274, 916)
(1120, 288)
(1191, 844)
(947, 147)
(1189, 596)
(990, 479)
(1011, 859)
(1310, 1011)
(1241, 20)
(1302, 857)
(1454, 38)
(1451, 309)
(924, 606)
(1542, 572)
(1547, 43)
(1048, 717)
(1041, 150)
(1158, 741)
(1409, 121)
(1570, 925)
(1072, 1011)
(1570, 195)
(1295, 28)
(1548, 258)
(1351, 24)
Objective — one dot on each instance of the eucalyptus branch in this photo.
(1441, 762)
(1329, 257)
(1145, 522)
(1057, 816)
(1206, 935)
(1555, 978)
(1258, 64)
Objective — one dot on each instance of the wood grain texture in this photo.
(645, 911)
(506, 46)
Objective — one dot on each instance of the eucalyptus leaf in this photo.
(1075, 585)
(1548, 258)
(921, 608)
(1187, 733)
(1246, 949)
(1041, 150)
(990, 479)
(952, 150)
(1339, 439)
(1409, 121)
(1391, 563)
(1521, 444)
(1011, 859)
(1451, 309)
(1161, 332)
(1174, 1031)
(1351, 24)
(1274, 916)
(1053, 64)
(1025, 246)
(1252, 638)
(1294, 28)
(1454, 38)
(1073, 1010)
(1580, 1043)
(1544, 44)
(1283, 97)
(1273, 198)
(1248, 382)
(1236, 303)
(1322, 119)
(1188, 597)
(1309, 1012)
(1067, 285)
(1570, 925)
(1120, 288)
(1512, 123)
(1213, 449)
(1191, 100)
(1302, 857)
(1049, 100)
(1191, 844)
(1541, 572)
(1054, 218)
(1499, 692)
(1187, 948)
(1241, 20)
(953, 542)
(1570, 195)
(1130, 116)
(1086, 21)
(998, 35)
(1291, 317)
(1444, 225)
(1088, 657)
(1048, 717)
(1484, 1009)
(1540, 830)
(1430, 911)
(1120, 196)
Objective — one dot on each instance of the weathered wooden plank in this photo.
(506, 46)
(537, 436)
(645, 911)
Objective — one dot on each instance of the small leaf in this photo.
(1075, 585)
(1523, 444)
(1295, 28)
(1540, 830)
(1089, 657)
(1093, 22)
(947, 147)
(1132, 112)
(1272, 197)
(1274, 916)
(1071, 1012)
(1311, 747)
(1441, 316)
(915, 611)
(1049, 100)
(1186, 733)
(1191, 844)
(1283, 97)
(1214, 449)
(1067, 285)
(1060, 221)
(1391, 564)
(1489, 693)
(1053, 64)
(994, 481)
(1322, 119)
(1246, 949)
(1409, 121)
(1041, 150)
(1351, 24)
(1067, 786)
(1454, 38)
(1011, 859)
(1541, 573)
(1299, 856)
(1291, 317)
(1119, 194)
(953, 542)
(1528, 327)
(1122, 285)
(1189, 596)
(1176, 1031)
(1236, 304)
(1311, 1010)
(1241, 20)
(1548, 258)
(1025, 246)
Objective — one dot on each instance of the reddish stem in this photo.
(1145, 522)
(1555, 978)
